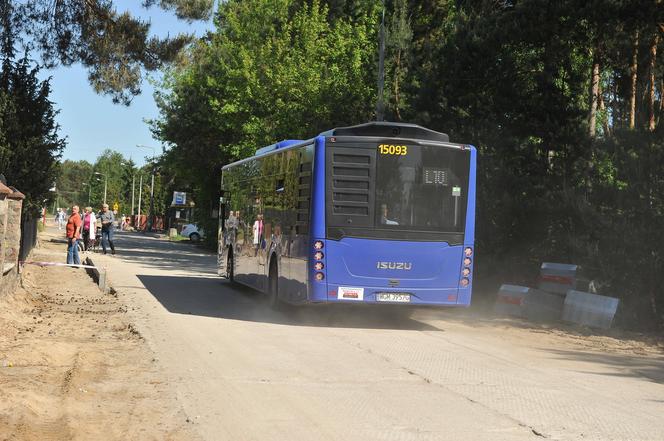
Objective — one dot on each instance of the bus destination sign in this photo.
(435, 176)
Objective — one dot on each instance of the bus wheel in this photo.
(273, 287)
(230, 266)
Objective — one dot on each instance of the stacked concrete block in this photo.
(557, 277)
(556, 299)
(511, 300)
(542, 306)
(590, 309)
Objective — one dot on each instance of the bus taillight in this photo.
(318, 257)
(465, 272)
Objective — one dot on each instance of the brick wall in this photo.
(11, 204)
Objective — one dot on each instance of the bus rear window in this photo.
(423, 188)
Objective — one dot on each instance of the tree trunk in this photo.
(594, 96)
(651, 88)
(605, 119)
(633, 69)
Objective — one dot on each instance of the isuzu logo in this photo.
(394, 265)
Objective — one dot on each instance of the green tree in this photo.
(272, 70)
(116, 48)
(29, 142)
(72, 184)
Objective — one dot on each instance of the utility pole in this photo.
(133, 180)
(140, 195)
(151, 213)
(380, 105)
(151, 200)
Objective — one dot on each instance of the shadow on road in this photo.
(629, 365)
(212, 297)
(148, 250)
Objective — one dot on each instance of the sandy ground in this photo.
(72, 367)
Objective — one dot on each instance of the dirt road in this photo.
(244, 372)
(72, 367)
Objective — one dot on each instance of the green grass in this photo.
(178, 238)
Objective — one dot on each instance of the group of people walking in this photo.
(83, 227)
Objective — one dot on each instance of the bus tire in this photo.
(230, 266)
(273, 287)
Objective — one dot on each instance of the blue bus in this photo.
(374, 213)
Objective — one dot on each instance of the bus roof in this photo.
(385, 129)
(380, 129)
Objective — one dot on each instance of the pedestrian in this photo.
(60, 217)
(89, 228)
(73, 230)
(107, 220)
(258, 234)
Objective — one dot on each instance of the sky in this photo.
(92, 123)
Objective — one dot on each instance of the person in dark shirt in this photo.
(107, 220)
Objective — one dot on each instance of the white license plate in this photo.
(393, 297)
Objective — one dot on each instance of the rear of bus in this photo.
(393, 214)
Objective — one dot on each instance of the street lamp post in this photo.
(105, 183)
(151, 215)
(133, 181)
(89, 191)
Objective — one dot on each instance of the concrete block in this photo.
(511, 300)
(590, 309)
(557, 277)
(541, 306)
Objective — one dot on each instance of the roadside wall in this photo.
(11, 205)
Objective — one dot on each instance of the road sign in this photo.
(116, 207)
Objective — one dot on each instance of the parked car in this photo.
(192, 232)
